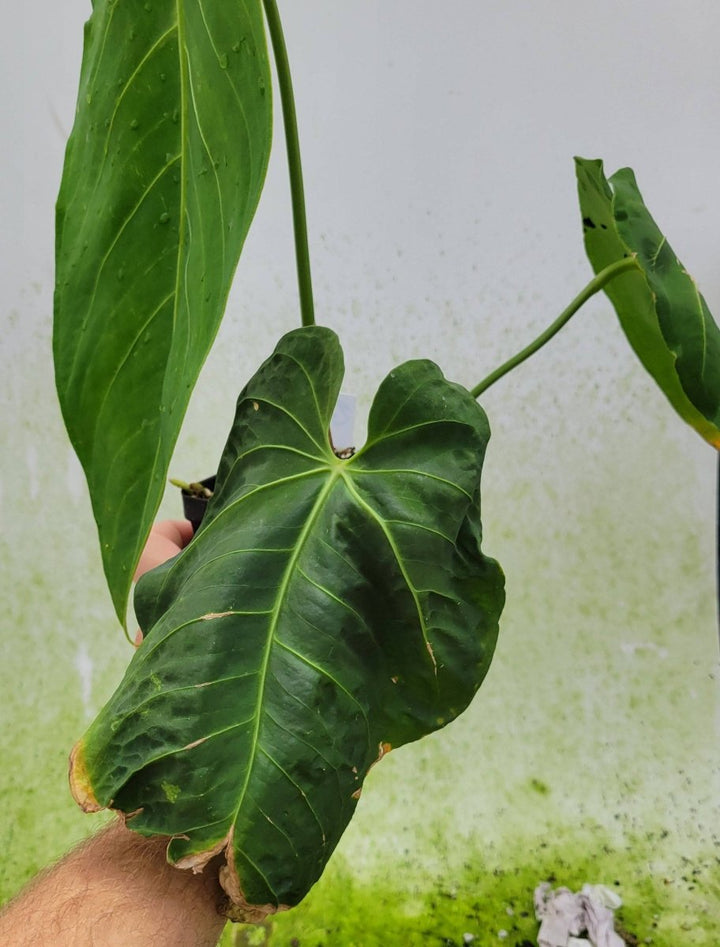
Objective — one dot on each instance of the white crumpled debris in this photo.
(585, 919)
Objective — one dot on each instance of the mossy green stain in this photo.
(44, 719)
(495, 904)
(539, 786)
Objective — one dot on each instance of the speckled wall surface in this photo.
(438, 141)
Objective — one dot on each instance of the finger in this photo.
(158, 549)
(179, 531)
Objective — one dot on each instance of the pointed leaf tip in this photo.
(163, 172)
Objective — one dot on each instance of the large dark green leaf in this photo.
(162, 175)
(665, 318)
(326, 610)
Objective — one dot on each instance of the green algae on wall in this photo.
(488, 901)
(592, 733)
(602, 692)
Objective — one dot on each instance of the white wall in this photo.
(438, 143)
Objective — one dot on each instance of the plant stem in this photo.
(292, 143)
(594, 286)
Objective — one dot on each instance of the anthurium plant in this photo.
(330, 606)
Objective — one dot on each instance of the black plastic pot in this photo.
(194, 506)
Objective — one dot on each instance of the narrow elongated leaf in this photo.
(664, 317)
(326, 611)
(163, 171)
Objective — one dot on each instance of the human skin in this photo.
(118, 888)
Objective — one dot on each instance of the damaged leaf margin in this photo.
(325, 610)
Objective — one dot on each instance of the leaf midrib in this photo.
(272, 629)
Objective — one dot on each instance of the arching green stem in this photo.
(594, 286)
(297, 191)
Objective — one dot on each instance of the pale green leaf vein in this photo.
(323, 448)
(261, 488)
(163, 694)
(241, 104)
(311, 384)
(274, 824)
(421, 526)
(374, 471)
(238, 850)
(99, 68)
(386, 436)
(301, 792)
(113, 243)
(131, 79)
(332, 596)
(323, 672)
(150, 759)
(218, 222)
(296, 737)
(123, 361)
(313, 713)
(399, 560)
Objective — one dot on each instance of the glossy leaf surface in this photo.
(162, 175)
(325, 611)
(662, 313)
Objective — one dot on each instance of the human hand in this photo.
(167, 538)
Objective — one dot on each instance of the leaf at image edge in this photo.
(163, 172)
(664, 317)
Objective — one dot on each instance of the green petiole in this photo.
(593, 287)
(292, 143)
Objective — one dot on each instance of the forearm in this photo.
(116, 889)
